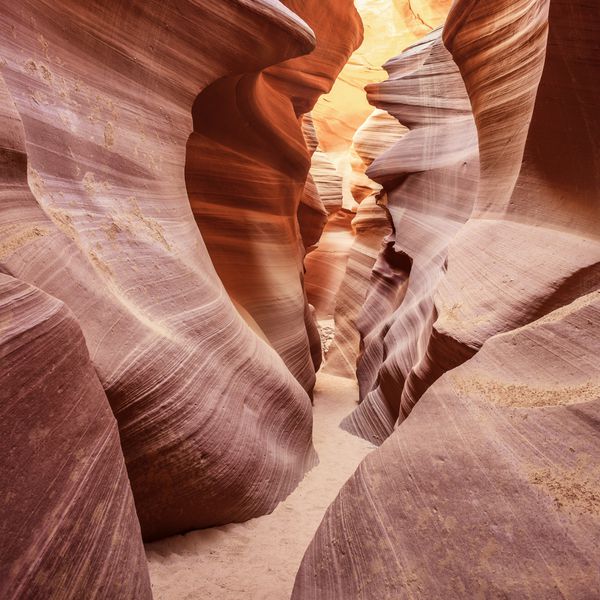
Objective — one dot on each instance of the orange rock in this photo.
(98, 105)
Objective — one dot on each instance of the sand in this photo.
(258, 560)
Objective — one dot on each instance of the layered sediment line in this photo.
(370, 225)
(178, 207)
(213, 425)
(491, 486)
(430, 180)
(66, 493)
(248, 144)
(488, 480)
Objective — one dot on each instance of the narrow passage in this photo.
(258, 560)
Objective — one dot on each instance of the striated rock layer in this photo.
(322, 195)
(67, 518)
(389, 27)
(430, 178)
(489, 482)
(96, 104)
(352, 135)
(370, 226)
(247, 165)
(490, 488)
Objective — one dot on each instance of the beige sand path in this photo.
(258, 560)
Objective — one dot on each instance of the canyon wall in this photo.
(370, 226)
(351, 134)
(106, 111)
(178, 205)
(67, 512)
(430, 180)
(247, 165)
(487, 482)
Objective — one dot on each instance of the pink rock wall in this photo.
(97, 103)
(430, 178)
(247, 165)
(67, 517)
(487, 481)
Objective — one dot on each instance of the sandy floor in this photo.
(258, 560)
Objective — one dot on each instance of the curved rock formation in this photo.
(164, 251)
(389, 27)
(67, 518)
(369, 227)
(491, 486)
(398, 372)
(322, 194)
(430, 178)
(338, 273)
(522, 201)
(247, 143)
(213, 426)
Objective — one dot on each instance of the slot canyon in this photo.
(299, 299)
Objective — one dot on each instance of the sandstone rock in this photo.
(180, 207)
(369, 228)
(352, 136)
(99, 105)
(490, 486)
(532, 244)
(430, 178)
(67, 518)
(322, 190)
(390, 26)
(248, 143)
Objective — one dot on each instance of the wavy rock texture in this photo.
(370, 226)
(325, 265)
(327, 241)
(430, 178)
(65, 487)
(526, 199)
(491, 486)
(322, 195)
(338, 275)
(377, 134)
(247, 143)
(389, 27)
(157, 329)
(98, 103)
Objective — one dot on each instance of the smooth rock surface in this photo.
(488, 484)
(247, 164)
(491, 488)
(430, 177)
(95, 212)
(67, 519)
(191, 207)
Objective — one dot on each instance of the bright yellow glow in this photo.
(390, 26)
